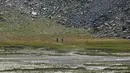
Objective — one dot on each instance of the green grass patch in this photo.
(112, 45)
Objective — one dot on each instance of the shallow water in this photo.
(42, 60)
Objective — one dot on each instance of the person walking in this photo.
(57, 40)
(62, 40)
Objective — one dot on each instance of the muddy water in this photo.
(44, 60)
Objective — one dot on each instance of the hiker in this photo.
(57, 40)
(62, 40)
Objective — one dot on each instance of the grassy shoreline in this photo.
(70, 42)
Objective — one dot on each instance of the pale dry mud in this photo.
(44, 60)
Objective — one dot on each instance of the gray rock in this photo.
(105, 17)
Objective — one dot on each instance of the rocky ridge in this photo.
(105, 18)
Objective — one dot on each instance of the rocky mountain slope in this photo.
(105, 18)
